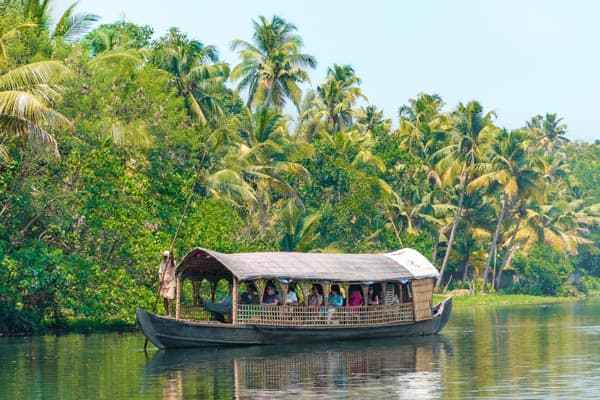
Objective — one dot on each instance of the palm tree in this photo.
(257, 163)
(423, 127)
(26, 94)
(557, 225)
(371, 121)
(300, 229)
(458, 158)
(515, 171)
(195, 71)
(72, 26)
(549, 131)
(272, 66)
(339, 94)
(69, 27)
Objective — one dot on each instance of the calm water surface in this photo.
(503, 353)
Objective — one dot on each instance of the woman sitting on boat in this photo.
(271, 297)
(316, 297)
(292, 298)
(372, 296)
(355, 298)
(334, 299)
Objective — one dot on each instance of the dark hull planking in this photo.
(171, 333)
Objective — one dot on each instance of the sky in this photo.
(518, 58)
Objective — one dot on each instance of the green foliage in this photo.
(154, 120)
(590, 285)
(545, 271)
(120, 35)
(420, 241)
(213, 224)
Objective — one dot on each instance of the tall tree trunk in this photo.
(435, 247)
(466, 265)
(507, 254)
(493, 244)
(495, 266)
(461, 198)
(391, 218)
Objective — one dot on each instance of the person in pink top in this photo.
(355, 298)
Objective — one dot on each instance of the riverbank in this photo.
(468, 300)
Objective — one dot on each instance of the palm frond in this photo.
(33, 74)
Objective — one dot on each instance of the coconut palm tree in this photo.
(257, 164)
(555, 224)
(515, 170)
(458, 158)
(300, 229)
(423, 128)
(26, 116)
(339, 95)
(371, 121)
(272, 66)
(549, 131)
(196, 72)
(69, 26)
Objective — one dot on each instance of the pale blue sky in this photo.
(517, 57)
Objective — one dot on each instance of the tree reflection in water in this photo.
(407, 367)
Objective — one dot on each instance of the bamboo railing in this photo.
(255, 314)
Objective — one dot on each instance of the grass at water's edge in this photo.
(469, 300)
(88, 325)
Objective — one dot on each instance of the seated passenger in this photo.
(272, 297)
(250, 296)
(229, 298)
(225, 309)
(316, 297)
(372, 296)
(335, 297)
(355, 298)
(291, 298)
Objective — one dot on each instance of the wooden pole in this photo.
(178, 297)
(187, 203)
(326, 289)
(365, 293)
(234, 300)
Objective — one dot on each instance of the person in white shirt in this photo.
(291, 298)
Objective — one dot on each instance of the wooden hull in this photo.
(166, 332)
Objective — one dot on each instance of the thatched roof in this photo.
(405, 264)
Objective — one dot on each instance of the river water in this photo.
(533, 352)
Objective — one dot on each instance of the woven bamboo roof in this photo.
(405, 264)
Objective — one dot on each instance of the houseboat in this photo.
(395, 292)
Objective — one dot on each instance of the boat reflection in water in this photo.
(407, 367)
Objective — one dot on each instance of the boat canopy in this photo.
(401, 265)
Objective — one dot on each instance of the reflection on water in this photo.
(484, 353)
(375, 369)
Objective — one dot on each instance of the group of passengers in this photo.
(272, 297)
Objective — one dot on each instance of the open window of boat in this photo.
(404, 279)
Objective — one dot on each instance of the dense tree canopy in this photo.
(104, 138)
